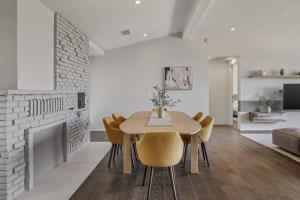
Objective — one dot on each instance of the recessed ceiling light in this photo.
(137, 2)
(232, 29)
(145, 35)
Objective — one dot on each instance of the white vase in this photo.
(161, 112)
(262, 73)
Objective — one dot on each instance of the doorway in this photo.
(223, 89)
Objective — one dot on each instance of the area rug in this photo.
(266, 140)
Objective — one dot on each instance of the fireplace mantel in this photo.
(36, 92)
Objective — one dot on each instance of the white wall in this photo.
(272, 59)
(122, 80)
(8, 44)
(219, 87)
(35, 46)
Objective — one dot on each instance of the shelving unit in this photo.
(274, 77)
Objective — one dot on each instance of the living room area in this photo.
(140, 99)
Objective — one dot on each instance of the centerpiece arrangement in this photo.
(268, 101)
(161, 99)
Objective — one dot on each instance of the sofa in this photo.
(288, 139)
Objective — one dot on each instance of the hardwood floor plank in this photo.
(184, 186)
(239, 169)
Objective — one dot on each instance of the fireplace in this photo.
(45, 149)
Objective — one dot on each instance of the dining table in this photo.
(139, 123)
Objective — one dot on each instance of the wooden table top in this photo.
(181, 123)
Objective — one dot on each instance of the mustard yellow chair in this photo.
(160, 149)
(115, 136)
(203, 136)
(199, 117)
(118, 118)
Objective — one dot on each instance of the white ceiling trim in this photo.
(95, 50)
(198, 11)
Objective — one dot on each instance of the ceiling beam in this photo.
(95, 50)
(198, 11)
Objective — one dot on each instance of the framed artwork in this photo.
(178, 78)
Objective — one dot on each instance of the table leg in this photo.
(194, 153)
(126, 154)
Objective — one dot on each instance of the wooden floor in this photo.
(239, 169)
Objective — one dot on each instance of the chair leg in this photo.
(131, 156)
(145, 175)
(150, 182)
(110, 155)
(185, 152)
(135, 152)
(114, 155)
(171, 173)
(118, 149)
(205, 154)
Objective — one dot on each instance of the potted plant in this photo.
(161, 99)
(268, 101)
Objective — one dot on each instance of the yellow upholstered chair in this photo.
(199, 117)
(160, 149)
(203, 136)
(118, 118)
(115, 136)
(156, 109)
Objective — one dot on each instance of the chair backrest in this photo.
(157, 109)
(114, 134)
(160, 149)
(118, 118)
(207, 124)
(199, 117)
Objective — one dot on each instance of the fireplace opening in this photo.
(47, 150)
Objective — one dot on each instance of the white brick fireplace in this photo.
(23, 112)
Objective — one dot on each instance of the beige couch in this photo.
(288, 139)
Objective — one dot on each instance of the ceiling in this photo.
(276, 20)
(102, 20)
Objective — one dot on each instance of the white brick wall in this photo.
(19, 111)
(71, 57)
(72, 70)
